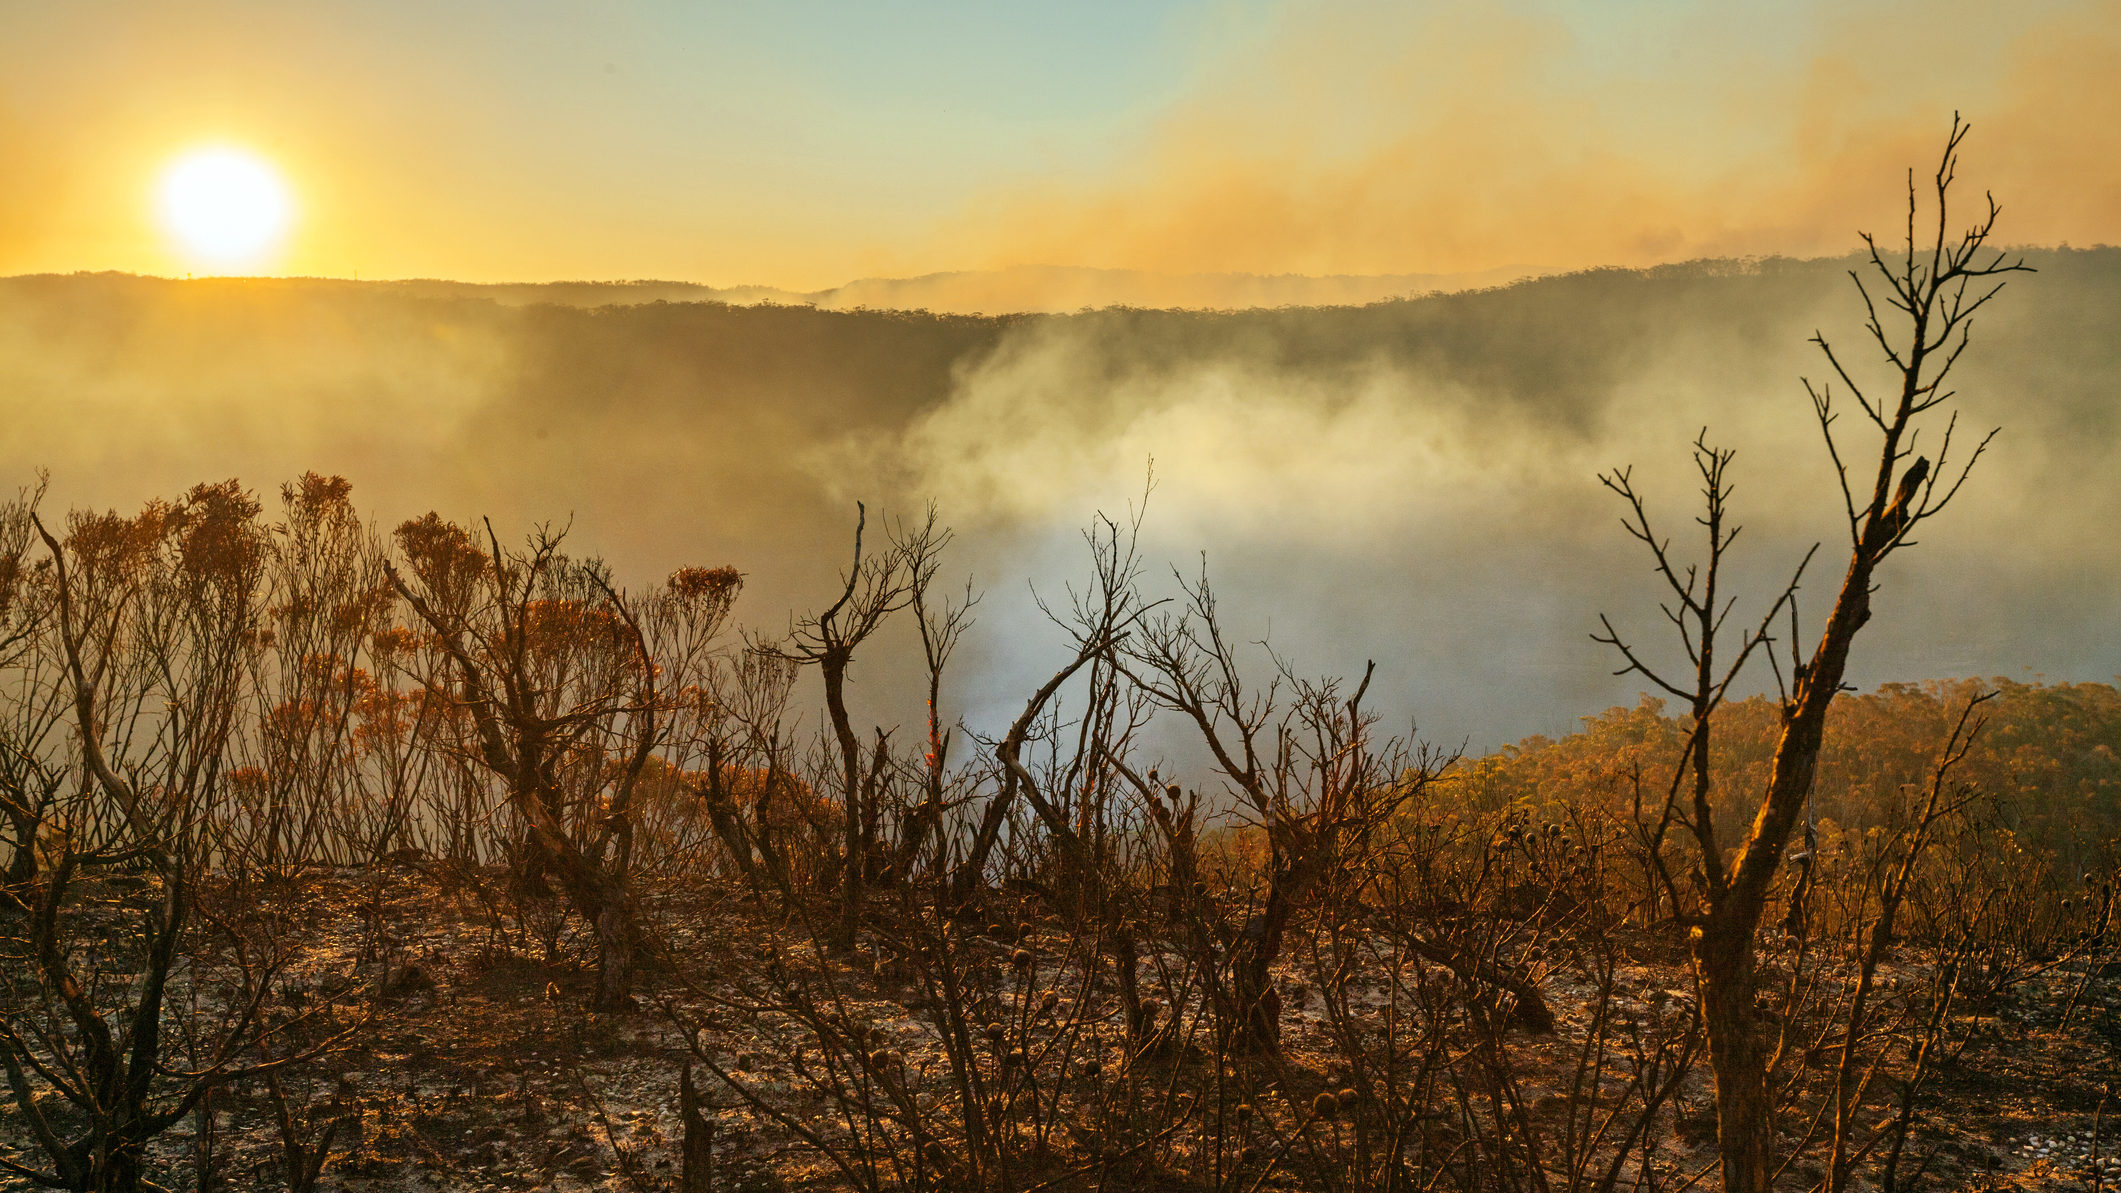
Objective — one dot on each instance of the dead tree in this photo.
(876, 586)
(302, 797)
(1098, 622)
(567, 704)
(155, 619)
(34, 766)
(942, 628)
(1932, 294)
(736, 735)
(1303, 763)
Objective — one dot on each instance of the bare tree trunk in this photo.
(834, 668)
(696, 1173)
(1258, 945)
(1738, 1054)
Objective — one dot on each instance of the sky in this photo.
(803, 144)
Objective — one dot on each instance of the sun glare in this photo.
(226, 207)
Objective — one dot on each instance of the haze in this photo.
(1412, 481)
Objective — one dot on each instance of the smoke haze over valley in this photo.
(1411, 481)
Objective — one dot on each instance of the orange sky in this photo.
(805, 144)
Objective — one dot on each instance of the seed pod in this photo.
(1325, 1104)
(995, 1032)
(1015, 1059)
(1021, 958)
(1048, 1002)
(1092, 1068)
(1244, 1112)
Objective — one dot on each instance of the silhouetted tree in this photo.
(1932, 293)
(877, 584)
(567, 703)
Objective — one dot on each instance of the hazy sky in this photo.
(804, 143)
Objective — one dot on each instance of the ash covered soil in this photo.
(481, 1068)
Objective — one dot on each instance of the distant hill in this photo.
(1059, 289)
(1019, 289)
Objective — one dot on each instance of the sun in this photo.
(228, 208)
